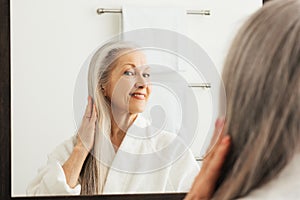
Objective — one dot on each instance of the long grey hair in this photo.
(93, 173)
(262, 82)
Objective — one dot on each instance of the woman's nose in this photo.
(141, 82)
(140, 85)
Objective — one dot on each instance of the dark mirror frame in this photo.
(5, 125)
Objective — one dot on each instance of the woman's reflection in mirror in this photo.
(91, 162)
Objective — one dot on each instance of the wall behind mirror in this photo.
(51, 39)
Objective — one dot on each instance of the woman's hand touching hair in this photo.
(204, 184)
(85, 142)
(86, 132)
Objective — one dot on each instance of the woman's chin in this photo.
(137, 106)
(137, 110)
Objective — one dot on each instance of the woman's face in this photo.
(128, 87)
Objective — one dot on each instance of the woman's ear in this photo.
(103, 90)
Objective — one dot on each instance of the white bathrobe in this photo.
(154, 165)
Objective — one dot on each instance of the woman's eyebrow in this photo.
(147, 67)
(131, 64)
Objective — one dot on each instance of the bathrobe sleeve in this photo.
(183, 172)
(50, 179)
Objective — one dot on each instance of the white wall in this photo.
(50, 41)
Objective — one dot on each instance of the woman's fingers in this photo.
(89, 108)
(216, 139)
(94, 114)
(86, 132)
(219, 125)
(204, 184)
(216, 161)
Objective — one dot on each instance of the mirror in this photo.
(48, 53)
(147, 152)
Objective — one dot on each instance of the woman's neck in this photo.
(119, 127)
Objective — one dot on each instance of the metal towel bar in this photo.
(192, 12)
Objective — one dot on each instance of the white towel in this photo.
(169, 18)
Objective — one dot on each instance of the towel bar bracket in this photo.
(200, 85)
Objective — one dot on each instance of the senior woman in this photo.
(261, 78)
(93, 161)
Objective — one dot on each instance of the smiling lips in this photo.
(138, 95)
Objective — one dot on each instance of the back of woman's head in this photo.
(262, 82)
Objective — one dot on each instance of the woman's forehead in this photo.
(132, 57)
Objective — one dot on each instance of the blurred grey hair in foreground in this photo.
(262, 82)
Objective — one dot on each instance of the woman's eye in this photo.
(128, 73)
(146, 75)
